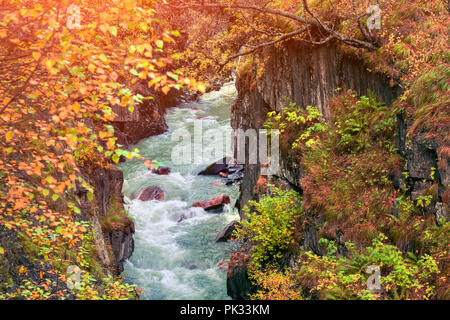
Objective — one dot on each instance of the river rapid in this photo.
(179, 260)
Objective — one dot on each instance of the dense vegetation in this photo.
(346, 185)
(58, 84)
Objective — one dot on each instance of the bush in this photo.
(270, 225)
(403, 276)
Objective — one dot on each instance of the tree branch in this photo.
(315, 21)
(265, 44)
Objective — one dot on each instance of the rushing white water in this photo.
(179, 260)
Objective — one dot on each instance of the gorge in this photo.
(303, 74)
(114, 113)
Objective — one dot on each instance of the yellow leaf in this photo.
(76, 107)
(202, 88)
(9, 136)
(36, 55)
(49, 63)
(165, 90)
(91, 67)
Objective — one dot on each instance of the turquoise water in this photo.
(174, 260)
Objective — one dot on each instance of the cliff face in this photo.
(114, 243)
(108, 240)
(148, 118)
(309, 75)
(304, 75)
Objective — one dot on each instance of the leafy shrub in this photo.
(270, 225)
(402, 276)
(363, 122)
(276, 285)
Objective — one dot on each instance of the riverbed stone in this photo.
(227, 233)
(213, 204)
(151, 193)
(162, 171)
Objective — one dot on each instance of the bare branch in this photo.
(315, 21)
(366, 34)
(265, 44)
(338, 36)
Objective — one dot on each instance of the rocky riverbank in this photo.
(309, 75)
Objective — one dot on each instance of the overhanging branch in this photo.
(315, 21)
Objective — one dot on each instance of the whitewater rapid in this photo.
(175, 260)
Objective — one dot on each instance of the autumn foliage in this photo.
(64, 65)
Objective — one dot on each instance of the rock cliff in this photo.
(312, 75)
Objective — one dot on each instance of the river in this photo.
(178, 260)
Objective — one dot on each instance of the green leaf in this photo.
(9, 135)
(160, 44)
(55, 197)
(116, 158)
(103, 57)
(113, 31)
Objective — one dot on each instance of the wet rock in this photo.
(213, 204)
(217, 167)
(226, 169)
(239, 285)
(227, 233)
(234, 178)
(162, 171)
(421, 155)
(151, 193)
(122, 244)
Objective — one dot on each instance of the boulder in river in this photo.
(216, 168)
(213, 204)
(151, 193)
(162, 171)
(223, 167)
(227, 233)
(234, 178)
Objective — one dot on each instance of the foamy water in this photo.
(179, 260)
